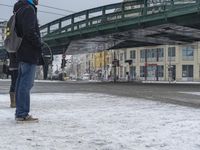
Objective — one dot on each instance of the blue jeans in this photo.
(25, 81)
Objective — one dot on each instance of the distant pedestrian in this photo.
(6, 68)
(28, 55)
(13, 70)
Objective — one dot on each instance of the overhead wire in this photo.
(47, 12)
(56, 8)
(6, 5)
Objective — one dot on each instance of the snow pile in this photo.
(100, 122)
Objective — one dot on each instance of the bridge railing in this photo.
(109, 14)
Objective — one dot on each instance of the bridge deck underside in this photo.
(166, 34)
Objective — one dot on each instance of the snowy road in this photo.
(100, 122)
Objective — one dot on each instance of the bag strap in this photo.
(15, 13)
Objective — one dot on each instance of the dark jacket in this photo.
(27, 27)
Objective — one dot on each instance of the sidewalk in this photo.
(118, 81)
(172, 82)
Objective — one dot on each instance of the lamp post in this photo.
(63, 64)
(146, 65)
(170, 65)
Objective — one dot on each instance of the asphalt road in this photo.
(168, 93)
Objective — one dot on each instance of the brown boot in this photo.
(12, 100)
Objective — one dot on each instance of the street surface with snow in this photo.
(94, 121)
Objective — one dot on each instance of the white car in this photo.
(86, 76)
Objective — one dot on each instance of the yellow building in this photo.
(98, 63)
(99, 60)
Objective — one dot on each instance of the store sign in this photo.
(146, 64)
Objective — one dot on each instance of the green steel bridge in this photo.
(121, 25)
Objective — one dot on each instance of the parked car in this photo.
(86, 76)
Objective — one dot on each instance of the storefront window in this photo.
(121, 72)
(142, 71)
(160, 71)
(187, 71)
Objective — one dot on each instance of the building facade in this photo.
(152, 63)
(160, 63)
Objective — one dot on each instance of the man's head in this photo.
(33, 2)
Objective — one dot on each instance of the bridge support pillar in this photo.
(45, 71)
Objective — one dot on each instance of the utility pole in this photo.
(104, 64)
(115, 68)
(157, 77)
(63, 64)
(170, 64)
(89, 69)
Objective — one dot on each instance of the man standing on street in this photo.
(28, 55)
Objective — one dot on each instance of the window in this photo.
(188, 53)
(125, 70)
(142, 71)
(187, 71)
(121, 56)
(151, 71)
(151, 54)
(171, 52)
(160, 52)
(160, 70)
(142, 55)
(132, 54)
(121, 72)
(132, 72)
(154, 53)
(125, 55)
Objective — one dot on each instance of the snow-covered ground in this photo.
(100, 122)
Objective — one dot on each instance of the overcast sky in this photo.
(73, 5)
